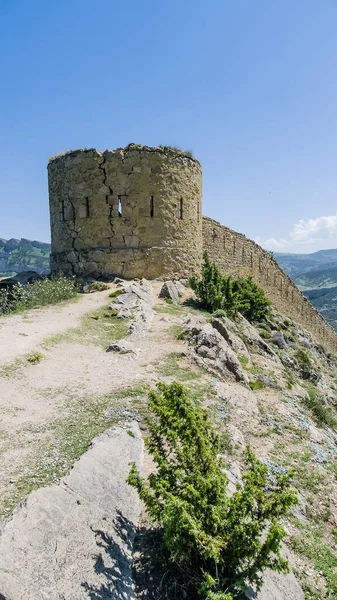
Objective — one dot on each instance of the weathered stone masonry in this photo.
(236, 255)
(134, 211)
(137, 212)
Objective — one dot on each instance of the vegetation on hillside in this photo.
(23, 255)
(36, 294)
(215, 291)
(220, 543)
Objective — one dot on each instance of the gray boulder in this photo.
(277, 338)
(180, 288)
(278, 586)
(74, 539)
(212, 351)
(170, 290)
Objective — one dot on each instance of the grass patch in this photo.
(12, 369)
(256, 385)
(290, 378)
(172, 367)
(185, 308)
(115, 294)
(244, 360)
(322, 557)
(94, 328)
(303, 359)
(34, 357)
(323, 415)
(306, 476)
(170, 309)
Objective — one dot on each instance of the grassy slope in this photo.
(27, 257)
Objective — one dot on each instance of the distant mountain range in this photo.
(316, 275)
(310, 271)
(23, 255)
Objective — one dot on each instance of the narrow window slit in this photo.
(181, 208)
(152, 207)
(120, 212)
(62, 210)
(87, 207)
(198, 212)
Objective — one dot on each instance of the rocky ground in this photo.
(270, 386)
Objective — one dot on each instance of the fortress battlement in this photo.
(137, 212)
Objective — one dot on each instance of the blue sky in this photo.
(249, 87)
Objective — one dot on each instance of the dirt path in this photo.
(22, 333)
(75, 390)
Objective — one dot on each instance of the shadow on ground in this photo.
(114, 563)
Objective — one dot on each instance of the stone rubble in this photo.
(135, 301)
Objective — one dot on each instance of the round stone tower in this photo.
(133, 212)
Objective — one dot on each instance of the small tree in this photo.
(227, 541)
(215, 291)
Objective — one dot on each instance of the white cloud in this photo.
(309, 235)
(315, 229)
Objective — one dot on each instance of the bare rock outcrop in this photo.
(134, 301)
(211, 349)
(74, 539)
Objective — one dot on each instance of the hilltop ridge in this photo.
(18, 255)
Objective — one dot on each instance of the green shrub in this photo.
(322, 414)
(215, 291)
(36, 294)
(223, 542)
(303, 359)
(265, 333)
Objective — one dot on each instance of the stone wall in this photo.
(237, 255)
(137, 212)
(133, 212)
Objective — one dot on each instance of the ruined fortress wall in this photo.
(133, 212)
(236, 255)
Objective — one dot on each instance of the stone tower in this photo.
(133, 212)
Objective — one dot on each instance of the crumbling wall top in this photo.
(169, 152)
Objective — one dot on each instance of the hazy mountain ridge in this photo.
(316, 275)
(18, 255)
(310, 271)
